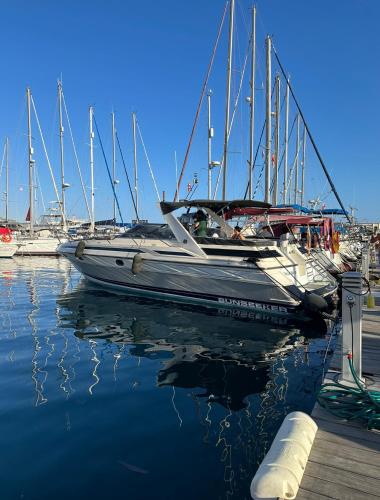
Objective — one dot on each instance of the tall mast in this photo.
(276, 142)
(228, 96)
(296, 161)
(135, 164)
(31, 165)
(63, 186)
(114, 164)
(92, 224)
(210, 135)
(268, 120)
(286, 145)
(6, 179)
(252, 105)
(303, 164)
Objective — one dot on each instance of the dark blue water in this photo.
(105, 396)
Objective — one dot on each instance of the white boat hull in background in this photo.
(38, 246)
(7, 250)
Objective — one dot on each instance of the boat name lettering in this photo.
(256, 315)
(254, 305)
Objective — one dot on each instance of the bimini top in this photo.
(214, 205)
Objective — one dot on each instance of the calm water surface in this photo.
(105, 396)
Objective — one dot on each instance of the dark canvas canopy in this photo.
(215, 205)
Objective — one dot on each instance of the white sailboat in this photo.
(38, 242)
(7, 247)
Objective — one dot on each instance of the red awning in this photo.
(253, 212)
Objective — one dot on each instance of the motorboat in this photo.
(168, 262)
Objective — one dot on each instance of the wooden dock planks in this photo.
(344, 463)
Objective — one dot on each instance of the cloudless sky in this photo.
(151, 57)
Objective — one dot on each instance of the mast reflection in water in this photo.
(108, 396)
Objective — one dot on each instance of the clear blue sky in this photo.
(151, 57)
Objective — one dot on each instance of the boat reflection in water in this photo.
(97, 387)
(233, 379)
(228, 354)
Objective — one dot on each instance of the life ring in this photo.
(6, 238)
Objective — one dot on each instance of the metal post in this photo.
(365, 261)
(6, 179)
(210, 135)
(92, 224)
(296, 161)
(176, 172)
(63, 186)
(286, 145)
(228, 97)
(303, 165)
(268, 120)
(135, 164)
(31, 165)
(352, 325)
(276, 142)
(114, 165)
(252, 105)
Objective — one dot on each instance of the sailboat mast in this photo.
(276, 142)
(135, 164)
(63, 205)
(286, 145)
(114, 164)
(252, 105)
(31, 165)
(303, 165)
(92, 224)
(228, 96)
(6, 178)
(296, 161)
(268, 119)
(210, 134)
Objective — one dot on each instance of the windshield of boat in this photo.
(149, 231)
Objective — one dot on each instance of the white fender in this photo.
(281, 471)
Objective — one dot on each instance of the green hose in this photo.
(351, 403)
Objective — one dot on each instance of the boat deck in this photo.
(344, 462)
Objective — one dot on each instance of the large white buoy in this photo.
(281, 471)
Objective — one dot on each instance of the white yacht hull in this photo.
(221, 282)
(37, 246)
(7, 250)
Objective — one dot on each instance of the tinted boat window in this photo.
(150, 231)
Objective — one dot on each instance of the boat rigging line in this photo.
(233, 115)
(76, 156)
(49, 164)
(127, 176)
(311, 137)
(263, 166)
(200, 102)
(147, 159)
(108, 170)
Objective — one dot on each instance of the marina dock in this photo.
(344, 462)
